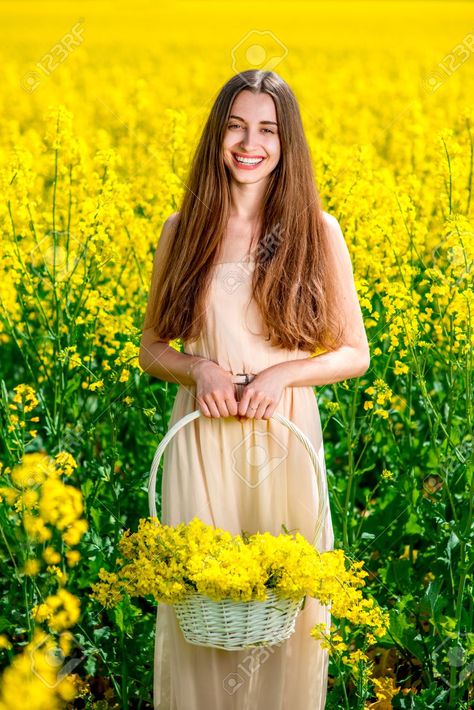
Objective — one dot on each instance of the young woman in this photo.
(255, 279)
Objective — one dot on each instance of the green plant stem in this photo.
(124, 673)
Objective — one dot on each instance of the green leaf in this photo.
(4, 623)
(87, 487)
(433, 596)
(118, 617)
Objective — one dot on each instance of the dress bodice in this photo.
(233, 335)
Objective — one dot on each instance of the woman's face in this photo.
(251, 132)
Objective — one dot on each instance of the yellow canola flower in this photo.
(65, 462)
(34, 469)
(26, 396)
(45, 503)
(72, 557)
(32, 682)
(51, 556)
(60, 504)
(31, 567)
(61, 610)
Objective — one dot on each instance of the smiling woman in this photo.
(253, 276)
(247, 159)
(271, 208)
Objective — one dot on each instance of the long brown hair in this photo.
(291, 282)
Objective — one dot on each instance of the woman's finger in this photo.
(221, 406)
(252, 408)
(232, 406)
(204, 407)
(246, 396)
(268, 414)
(208, 398)
(264, 404)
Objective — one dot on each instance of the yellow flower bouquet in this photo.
(230, 591)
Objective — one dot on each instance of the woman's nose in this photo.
(249, 141)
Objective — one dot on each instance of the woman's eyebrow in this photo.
(244, 121)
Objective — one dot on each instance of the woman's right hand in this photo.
(215, 391)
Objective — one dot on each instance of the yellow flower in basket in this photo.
(229, 591)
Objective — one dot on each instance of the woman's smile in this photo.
(247, 162)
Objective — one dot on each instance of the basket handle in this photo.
(323, 498)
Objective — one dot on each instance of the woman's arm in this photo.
(160, 360)
(339, 365)
(352, 359)
(156, 357)
(215, 392)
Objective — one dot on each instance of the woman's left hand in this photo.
(261, 396)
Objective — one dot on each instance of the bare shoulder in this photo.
(173, 219)
(336, 240)
(334, 230)
(330, 220)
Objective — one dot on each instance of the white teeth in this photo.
(249, 161)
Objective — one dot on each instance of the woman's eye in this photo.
(236, 125)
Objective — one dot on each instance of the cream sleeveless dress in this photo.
(250, 475)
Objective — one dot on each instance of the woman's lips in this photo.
(246, 166)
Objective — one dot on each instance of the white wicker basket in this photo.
(228, 624)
